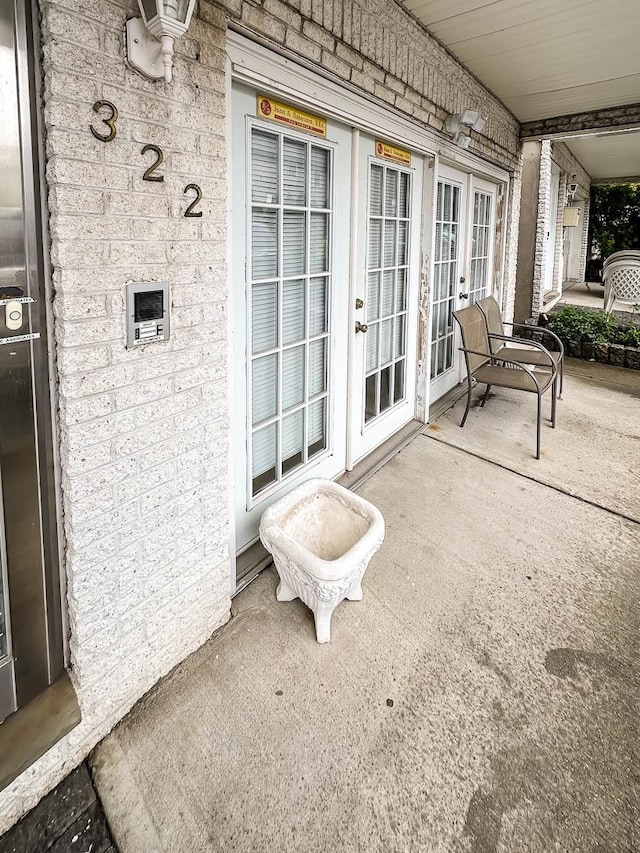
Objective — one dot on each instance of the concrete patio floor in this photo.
(591, 295)
(483, 695)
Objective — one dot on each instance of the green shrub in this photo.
(575, 326)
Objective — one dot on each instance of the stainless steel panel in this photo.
(27, 557)
(8, 702)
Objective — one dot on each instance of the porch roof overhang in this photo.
(569, 71)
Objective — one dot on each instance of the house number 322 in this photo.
(150, 173)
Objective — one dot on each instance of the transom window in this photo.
(387, 277)
(289, 296)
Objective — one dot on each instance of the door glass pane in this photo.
(263, 457)
(290, 231)
(294, 249)
(264, 391)
(318, 292)
(264, 243)
(479, 270)
(388, 277)
(317, 428)
(385, 388)
(386, 297)
(317, 367)
(264, 167)
(373, 296)
(319, 177)
(293, 313)
(375, 191)
(319, 258)
(264, 316)
(371, 357)
(294, 172)
(292, 441)
(292, 377)
(445, 276)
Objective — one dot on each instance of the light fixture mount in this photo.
(150, 38)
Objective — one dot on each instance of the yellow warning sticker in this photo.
(299, 119)
(390, 152)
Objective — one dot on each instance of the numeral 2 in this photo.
(190, 211)
(148, 175)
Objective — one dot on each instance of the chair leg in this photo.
(538, 426)
(484, 396)
(561, 367)
(466, 411)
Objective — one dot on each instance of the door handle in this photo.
(462, 279)
(361, 327)
(463, 296)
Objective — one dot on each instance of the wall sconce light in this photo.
(150, 38)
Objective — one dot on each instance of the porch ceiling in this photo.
(610, 155)
(545, 60)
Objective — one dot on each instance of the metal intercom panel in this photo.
(148, 312)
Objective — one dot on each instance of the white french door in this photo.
(291, 243)
(386, 293)
(464, 237)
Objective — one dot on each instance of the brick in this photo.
(319, 35)
(303, 46)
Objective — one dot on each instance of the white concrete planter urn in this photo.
(321, 537)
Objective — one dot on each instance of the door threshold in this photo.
(251, 562)
(33, 729)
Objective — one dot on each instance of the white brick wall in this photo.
(144, 434)
(378, 47)
(544, 212)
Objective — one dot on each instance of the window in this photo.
(387, 281)
(289, 297)
(480, 246)
(445, 273)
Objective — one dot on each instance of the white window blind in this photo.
(387, 272)
(445, 272)
(479, 272)
(289, 287)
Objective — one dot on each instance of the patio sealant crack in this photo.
(560, 489)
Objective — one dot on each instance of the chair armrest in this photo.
(542, 329)
(530, 345)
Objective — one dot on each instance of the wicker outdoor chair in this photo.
(621, 281)
(483, 367)
(514, 348)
